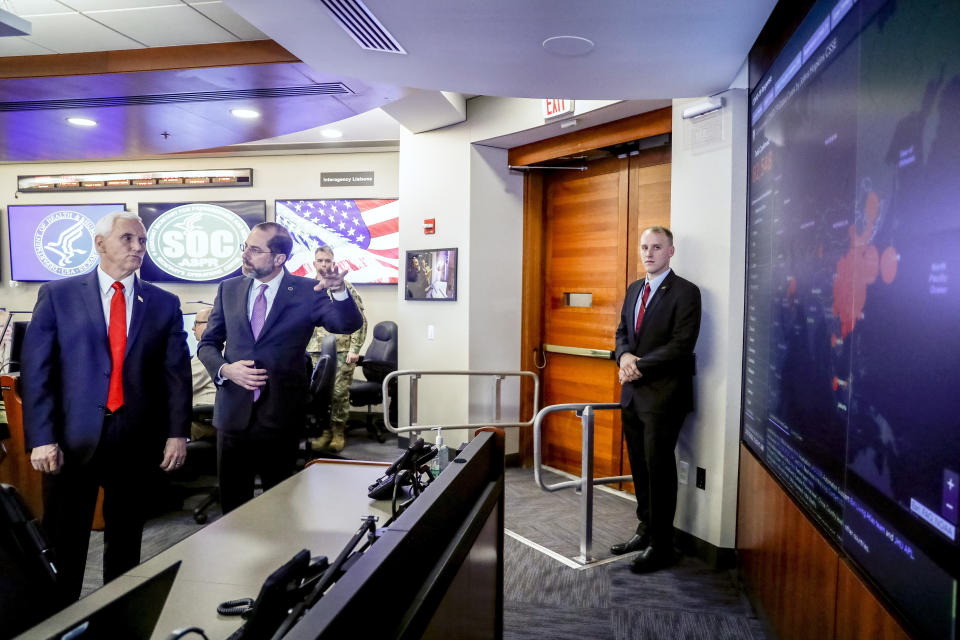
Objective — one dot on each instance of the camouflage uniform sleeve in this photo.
(358, 337)
(319, 333)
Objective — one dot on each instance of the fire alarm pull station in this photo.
(429, 226)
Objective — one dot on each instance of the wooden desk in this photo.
(16, 469)
(317, 509)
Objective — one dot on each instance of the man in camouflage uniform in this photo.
(348, 353)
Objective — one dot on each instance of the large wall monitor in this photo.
(51, 242)
(852, 360)
(364, 234)
(197, 241)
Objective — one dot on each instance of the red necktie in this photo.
(643, 305)
(118, 344)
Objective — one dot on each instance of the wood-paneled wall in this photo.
(795, 578)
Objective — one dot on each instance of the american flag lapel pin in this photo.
(140, 299)
(289, 288)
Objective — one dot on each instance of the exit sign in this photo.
(553, 107)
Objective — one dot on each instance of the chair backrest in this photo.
(325, 370)
(382, 351)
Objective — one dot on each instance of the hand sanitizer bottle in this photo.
(440, 461)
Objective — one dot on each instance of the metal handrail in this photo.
(415, 375)
(586, 481)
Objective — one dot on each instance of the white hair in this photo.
(105, 224)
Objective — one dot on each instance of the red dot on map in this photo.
(888, 264)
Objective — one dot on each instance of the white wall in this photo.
(478, 206)
(274, 177)
(708, 219)
(434, 183)
(496, 285)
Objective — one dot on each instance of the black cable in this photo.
(179, 633)
(396, 488)
(235, 607)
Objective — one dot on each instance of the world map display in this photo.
(852, 352)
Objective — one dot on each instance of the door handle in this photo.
(602, 354)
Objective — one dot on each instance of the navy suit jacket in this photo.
(65, 376)
(665, 344)
(280, 349)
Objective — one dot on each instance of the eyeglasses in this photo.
(246, 248)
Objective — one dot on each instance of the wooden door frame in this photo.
(636, 127)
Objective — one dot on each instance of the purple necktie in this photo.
(256, 321)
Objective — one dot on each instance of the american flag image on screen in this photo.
(364, 235)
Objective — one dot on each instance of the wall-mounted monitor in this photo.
(51, 242)
(197, 241)
(364, 235)
(851, 347)
(431, 274)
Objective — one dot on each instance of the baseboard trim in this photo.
(720, 558)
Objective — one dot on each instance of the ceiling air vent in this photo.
(320, 89)
(362, 25)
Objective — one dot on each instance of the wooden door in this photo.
(590, 238)
(585, 263)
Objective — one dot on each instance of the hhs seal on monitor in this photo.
(63, 242)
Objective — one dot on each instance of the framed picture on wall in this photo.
(430, 274)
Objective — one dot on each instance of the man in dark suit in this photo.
(658, 330)
(265, 318)
(106, 398)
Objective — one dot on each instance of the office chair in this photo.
(379, 360)
(322, 380)
(201, 460)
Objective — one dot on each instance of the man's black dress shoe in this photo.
(637, 543)
(652, 559)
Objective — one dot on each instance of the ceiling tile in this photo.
(27, 8)
(20, 46)
(164, 26)
(101, 5)
(228, 19)
(75, 33)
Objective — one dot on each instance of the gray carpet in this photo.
(544, 598)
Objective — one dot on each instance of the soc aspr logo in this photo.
(198, 241)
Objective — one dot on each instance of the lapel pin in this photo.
(289, 288)
(139, 298)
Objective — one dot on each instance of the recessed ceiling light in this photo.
(82, 122)
(567, 45)
(245, 113)
(331, 133)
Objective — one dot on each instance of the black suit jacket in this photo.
(665, 344)
(66, 367)
(280, 348)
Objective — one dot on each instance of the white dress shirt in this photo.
(107, 291)
(654, 285)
